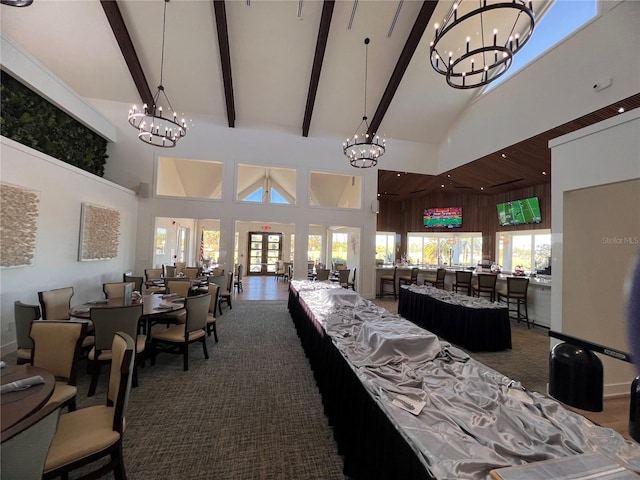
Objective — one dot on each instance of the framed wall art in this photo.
(99, 233)
(18, 225)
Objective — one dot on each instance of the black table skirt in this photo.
(370, 444)
(478, 330)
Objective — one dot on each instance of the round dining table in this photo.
(19, 404)
(153, 304)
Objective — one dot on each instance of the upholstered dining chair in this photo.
(409, 279)
(137, 282)
(96, 432)
(153, 274)
(280, 270)
(177, 339)
(24, 314)
(516, 292)
(116, 289)
(211, 316)
(486, 286)
(224, 296)
(322, 274)
(387, 279)
(55, 304)
(191, 272)
(463, 281)
(343, 277)
(221, 282)
(351, 283)
(57, 345)
(169, 270)
(180, 267)
(107, 321)
(217, 271)
(438, 281)
(180, 287)
(237, 282)
(25, 446)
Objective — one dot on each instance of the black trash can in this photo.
(634, 410)
(575, 377)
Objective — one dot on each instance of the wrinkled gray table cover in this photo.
(475, 419)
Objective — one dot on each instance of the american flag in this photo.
(202, 246)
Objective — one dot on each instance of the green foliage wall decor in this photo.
(31, 120)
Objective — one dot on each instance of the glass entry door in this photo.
(265, 249)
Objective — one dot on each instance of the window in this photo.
(385, 247)
(180, 177)
(529, 249)
(266, 185)
(314, 248)
(335, 191)
(557, 23)
(444, 249)
(292, 246)
(161, 240)
(210, 248)
(339, 247)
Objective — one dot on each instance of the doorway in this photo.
(264, 250)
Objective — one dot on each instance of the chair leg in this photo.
(71, 406)
(95, 373)
(134, 379)
(154, 351)
(204, 348)
(118, 464)
(215, 332)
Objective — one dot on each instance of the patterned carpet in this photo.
(252, 411)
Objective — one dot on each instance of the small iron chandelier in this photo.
(155, 127)
(477, 40)
(364, 149)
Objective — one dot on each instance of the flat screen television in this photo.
(519, 212)
(448, 217)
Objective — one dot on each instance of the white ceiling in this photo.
(271, 51)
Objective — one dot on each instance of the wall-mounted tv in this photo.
(519, 212)
(449, 217)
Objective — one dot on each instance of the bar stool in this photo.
(385, 279)
(516, 292)
(437, 282)
(463, 281)
(486, 286)
(409, 279)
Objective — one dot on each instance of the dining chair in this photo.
(217, 271)
(322, 274)
(221, 282)
(153, 274)
(169, 270)
(96, 432)
(177, 339)
(137, 282)
(211, 316)
(226, 294)
(516, 292)
(57, 345)
(115, 289)
(486, 286)
(55, 304)
(180, 287)
(438, 281)
(179, 267)
(25, 446)
(351, 283)
(463, 281)
(389, 279)
(107, 321)
(237, 283)
(288, 271)
(191, 272)
(410, 279)
(280, 270)
(343, 277)
(24, 314)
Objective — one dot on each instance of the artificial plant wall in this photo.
(31, 120)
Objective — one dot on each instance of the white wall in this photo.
(553, 90)
(600, 154)
(62, 189)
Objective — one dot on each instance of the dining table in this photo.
(19, 404)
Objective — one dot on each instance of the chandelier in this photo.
(155, 127)
(364, 148)
(477, 40)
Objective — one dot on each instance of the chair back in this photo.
(25, 314)
(180, 287)
(122, 358)
(180, 267)
(343, 276)
(414, 274)
(55, 304)
(197, 309)
(229, 281)
(220, 280)
(310, 267)
(463, 277)
(240, 271)
(214, 291)
(191, 272)
(352, 283)
(25, 446)
(517, 286)
(487, 281)
(116, 289)
(440, 274)
(153, 274)
(322, 274)
(56, 347)
(169, 270)
(107, 321)
(217, 272)
(137, 282)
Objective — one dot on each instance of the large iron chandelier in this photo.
(477, 39)
(364, 148)
(155, 127)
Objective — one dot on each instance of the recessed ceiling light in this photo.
(481, 188)
(442, 185)
(378, 194)
(398, 174)
(621, 110)
(544, 173)
(504, 155)
(448, 175)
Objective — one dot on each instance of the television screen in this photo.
(450, 217)
(519, 212)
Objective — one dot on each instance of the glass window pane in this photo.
(314, 248)
(542, 245)
(521, 251)
(266, 184)
(181, 177)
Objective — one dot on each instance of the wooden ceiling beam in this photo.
(321, 45)
(422, 20)
(114, 16)
(220, 11)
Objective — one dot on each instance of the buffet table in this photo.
(472, 323)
